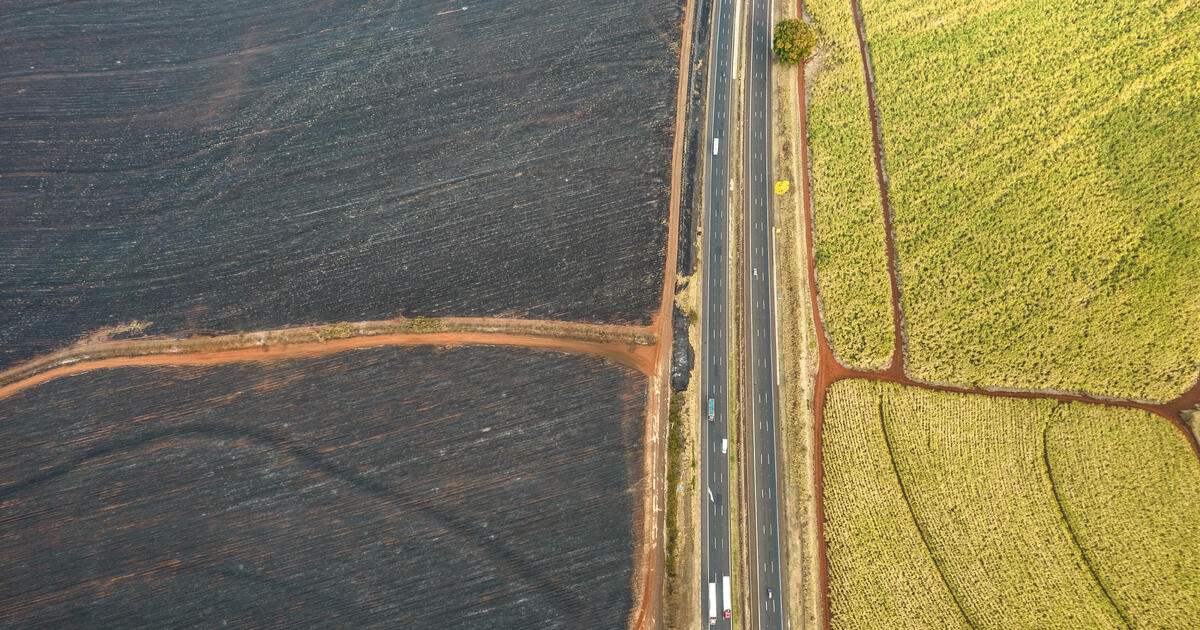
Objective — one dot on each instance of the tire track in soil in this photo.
(510, 562)
(830, 370)
(887, 440)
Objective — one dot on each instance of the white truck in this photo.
(712, 603)
(727, 599)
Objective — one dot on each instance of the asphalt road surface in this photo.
(763, 513)
(715, 555)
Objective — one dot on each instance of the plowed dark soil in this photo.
(277, 163)
(475, 487)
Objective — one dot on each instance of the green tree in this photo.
(794, 41)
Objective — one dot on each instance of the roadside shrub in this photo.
(794, 41)
(426, 325)
(340, 330)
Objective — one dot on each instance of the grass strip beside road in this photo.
(736, 445)
(675, 445)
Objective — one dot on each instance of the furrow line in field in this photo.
(1071, 530)
(887, 440)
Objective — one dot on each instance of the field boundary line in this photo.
(912, 513)
(897, 361)
(650, 567)
(1087, 562)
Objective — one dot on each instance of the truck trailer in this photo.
(727, 599)
(712, 603)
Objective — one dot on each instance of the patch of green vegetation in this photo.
(1042, 173)
(426, 324)
(948, 510)
(675, 444)
(849, 232)
(793, 41)
(340, 330)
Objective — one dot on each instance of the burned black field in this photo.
(481, 487)
(243, 165)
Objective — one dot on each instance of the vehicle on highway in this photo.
(724, 445)
(712, 603)
(712, 409)
(716, 145)
(769, 592)
(727, 598)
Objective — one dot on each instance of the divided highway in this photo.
(714, 377)
(765, 579)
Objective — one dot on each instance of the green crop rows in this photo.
(944, 510)
(848, 221)
(1043, 177)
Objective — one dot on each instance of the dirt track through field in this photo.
(640, 358)
(627, 345)
(830, 370)
(649, 605)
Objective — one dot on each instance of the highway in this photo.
(759, 340)
(714, 377)
(759, 312)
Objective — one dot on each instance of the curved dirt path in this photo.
(614, 342)
(830, 370)
(638, 357)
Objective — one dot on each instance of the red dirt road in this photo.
(641, 358)
(829, 370)
(649, 606)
